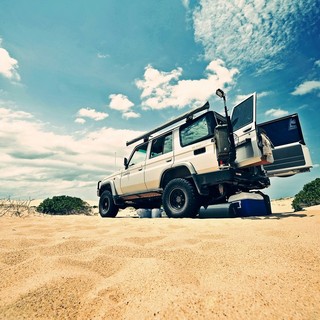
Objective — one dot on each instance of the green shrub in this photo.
(64, 205)
(308, 196)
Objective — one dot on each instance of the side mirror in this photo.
(125, 162)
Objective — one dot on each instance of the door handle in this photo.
(246, 130)
(169, 160)
(199, 151)
(140, 169)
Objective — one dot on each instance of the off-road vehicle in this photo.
(202, 158)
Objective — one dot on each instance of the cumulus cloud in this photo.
(254, 31)
(162, 89)
(264, 94)
(239, 98)
(276, 113)
(306, 87)
(36, 162)
(242, 97)
(90, 113)
(121, 103)
(130, 114)
(8, 66)
(80, 120)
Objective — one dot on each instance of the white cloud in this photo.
(164, 89)
(253, 31)
(186, 3)
(121, 103)
(260, 95)
(264, 94)
(306, 87)
(102, 56)
(92, 114)
(8, 66)
(276, 113)
(239, 98)
(36, 162)
(130, 114)
(317, 63)
(80, 120)
(9, 114)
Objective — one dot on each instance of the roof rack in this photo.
(188, 116)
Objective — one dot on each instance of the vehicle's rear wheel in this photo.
(107, 208)
(180, 199)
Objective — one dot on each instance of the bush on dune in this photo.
(308, 196)
(64, 205)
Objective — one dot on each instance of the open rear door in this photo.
(290, 153)
(243, 119)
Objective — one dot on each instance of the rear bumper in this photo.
(241, 178)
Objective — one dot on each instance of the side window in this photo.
(161, 145)
(139, 154)
(167, 146)
(195, 131)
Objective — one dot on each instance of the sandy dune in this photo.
(80, 267)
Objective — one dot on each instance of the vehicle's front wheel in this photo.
(107, 208)
(180, 199)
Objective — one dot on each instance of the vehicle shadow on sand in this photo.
(278, 216)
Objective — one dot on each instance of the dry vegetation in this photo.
(18, 208)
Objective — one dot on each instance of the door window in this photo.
(139, 154)
(242, 114)
(161, 145)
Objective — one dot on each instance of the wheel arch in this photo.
(107, 185)
(183, 170)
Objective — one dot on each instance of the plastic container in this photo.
(224, 210)
(251, 204)
(156, 213)
(144, 213)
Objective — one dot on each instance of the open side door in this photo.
(290, 153)
(243, 119)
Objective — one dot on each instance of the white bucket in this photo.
(155, 213)
(144, 213)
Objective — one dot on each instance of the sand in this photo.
(82, 267)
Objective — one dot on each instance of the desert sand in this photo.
(86, 267)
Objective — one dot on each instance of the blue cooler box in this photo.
(251, 204)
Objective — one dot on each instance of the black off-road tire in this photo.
(107, 208)
(180, 199)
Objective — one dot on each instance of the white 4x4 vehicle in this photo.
(202, 158)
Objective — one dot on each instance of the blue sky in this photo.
(79, 78)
